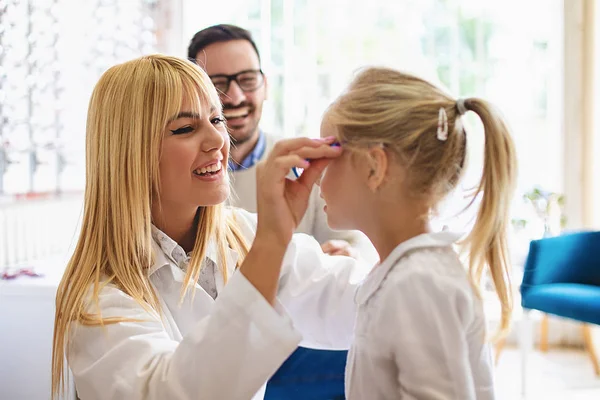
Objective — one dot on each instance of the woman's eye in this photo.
(180, 131)
(217, 120)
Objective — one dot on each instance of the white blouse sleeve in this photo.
(230, 354)
(317, 290)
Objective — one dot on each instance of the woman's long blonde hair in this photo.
(402, 112)
(129, 109)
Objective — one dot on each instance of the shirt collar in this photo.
(170, 247)
(254, 157)
(167, 250)
(374, 280)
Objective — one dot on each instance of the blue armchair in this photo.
(562, 277)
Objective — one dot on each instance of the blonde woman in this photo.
(421, 330)
(163, 298)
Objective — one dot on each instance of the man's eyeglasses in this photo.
(248, 80)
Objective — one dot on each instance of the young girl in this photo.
(163, 297)
(421, 331)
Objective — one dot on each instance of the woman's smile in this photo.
(210, 173)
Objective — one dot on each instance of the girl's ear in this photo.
(377, 165)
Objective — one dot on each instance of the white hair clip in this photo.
(442, 130)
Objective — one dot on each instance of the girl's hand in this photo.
(282, 202)
(336, 247)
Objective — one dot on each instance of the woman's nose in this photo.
(215, 140)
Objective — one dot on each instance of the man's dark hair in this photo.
(216, 34)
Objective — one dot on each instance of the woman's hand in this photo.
(281, 205)
(282, 202)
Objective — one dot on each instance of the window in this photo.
(310, 48)
(52, 52)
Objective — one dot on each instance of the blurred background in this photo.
(534, 59)
(512, 52)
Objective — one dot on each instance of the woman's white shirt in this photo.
(420, 330)
(214, 349)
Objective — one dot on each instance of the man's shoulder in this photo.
(270, 140)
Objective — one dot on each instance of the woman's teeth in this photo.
(211, 169)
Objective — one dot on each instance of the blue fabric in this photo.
(562, 276)
(568, 300)
(570, 258)
(254, 156)
(309, 374)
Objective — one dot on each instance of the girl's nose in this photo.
(318, 182)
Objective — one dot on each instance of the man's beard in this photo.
(249, 130)
(236, 141)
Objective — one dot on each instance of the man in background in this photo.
(230, 57)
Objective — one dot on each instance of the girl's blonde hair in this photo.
(402, 112)
(130, 107)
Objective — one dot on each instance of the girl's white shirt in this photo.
(215, 349)
(420, 330)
